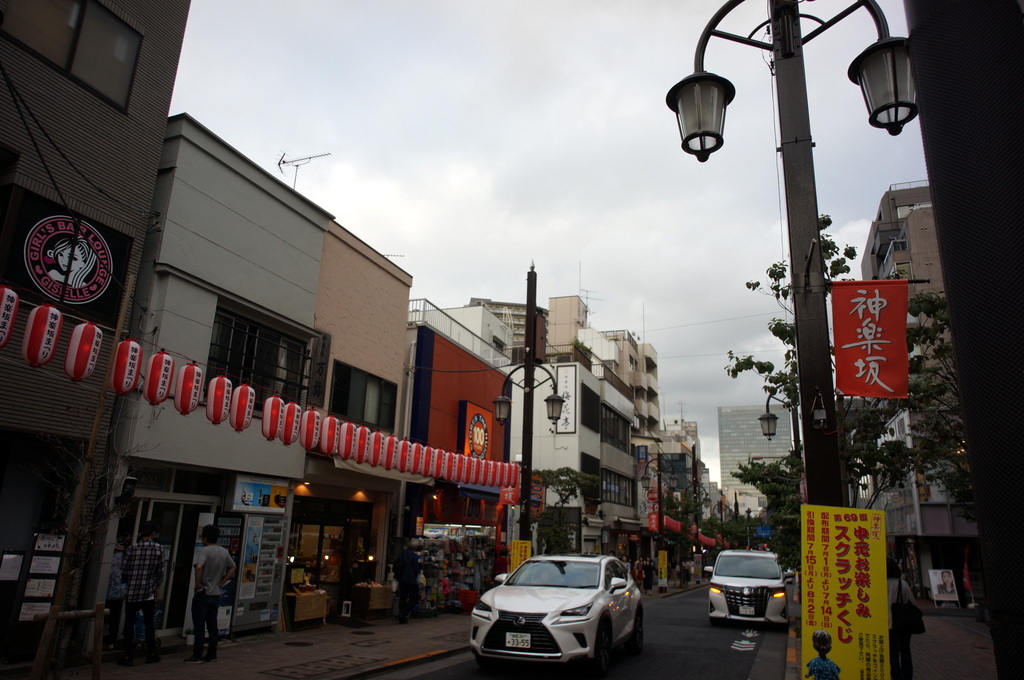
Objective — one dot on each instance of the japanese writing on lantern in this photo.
(869, 334)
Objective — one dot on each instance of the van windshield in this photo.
(747, 566)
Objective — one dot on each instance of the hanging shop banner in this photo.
(566, 377)
(72, 261)
(869, 319)
(259, 494)
(844, 592)
(474, 430)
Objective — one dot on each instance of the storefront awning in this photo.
(479, 492)
(352, 466)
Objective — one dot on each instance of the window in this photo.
(614, 429)
(245, 351)
(80, 36)
(356, 395)
(616, 488)
(590, 409)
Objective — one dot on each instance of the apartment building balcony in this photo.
(568, 354)
(602, 372)
(422, 312)
(639, 380)
(653, 412)
(641, 409)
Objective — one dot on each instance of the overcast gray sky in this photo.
(470, 138)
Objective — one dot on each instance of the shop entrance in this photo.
(329, 546)
(178, 522)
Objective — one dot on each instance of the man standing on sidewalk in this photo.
(143, 574)
(407, 572)
(214, 567)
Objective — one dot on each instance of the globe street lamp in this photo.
(699, 101)
(769, 422)
(503, 403)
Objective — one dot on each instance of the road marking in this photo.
(744, 646)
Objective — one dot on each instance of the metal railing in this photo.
(424, 312)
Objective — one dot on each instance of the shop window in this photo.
(245, 351)
(82, 37)
(361, 397)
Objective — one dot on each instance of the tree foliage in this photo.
(553, 529)
(875, 457)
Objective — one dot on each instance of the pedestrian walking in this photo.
(407, 572)
(648, 574)
(213, 569)
(638, 575)
(687, 571)
(143, 574)
(901, 665)
(115, 593)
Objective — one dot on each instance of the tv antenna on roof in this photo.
(296, 162)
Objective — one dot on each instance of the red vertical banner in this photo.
(869, 320)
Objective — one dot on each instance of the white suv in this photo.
(747, 585)
(559, 608)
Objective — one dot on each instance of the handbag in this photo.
(906, 616)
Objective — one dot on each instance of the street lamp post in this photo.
(503, 403)
(699, 103)
(769, 422)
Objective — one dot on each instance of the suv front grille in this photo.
(541, 641)
(747, 596)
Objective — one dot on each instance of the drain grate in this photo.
(299, 644)
(362, 632)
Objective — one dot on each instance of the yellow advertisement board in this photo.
(843, 593)
(519, 552)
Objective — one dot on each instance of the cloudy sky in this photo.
(469, 138)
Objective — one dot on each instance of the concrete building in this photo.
(247, 279)
(81, 132)
(924, 526)
(740, 439)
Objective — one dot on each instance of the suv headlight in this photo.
(482, 606)
(578, 611)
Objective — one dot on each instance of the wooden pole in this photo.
(42, 661)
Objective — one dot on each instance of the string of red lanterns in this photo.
(287, 422)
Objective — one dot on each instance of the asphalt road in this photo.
(679, 642)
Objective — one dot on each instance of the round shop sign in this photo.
(478, 436)
(68, 264)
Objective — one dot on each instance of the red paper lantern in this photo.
(8, 313)
(475, 468)
(159, 369)
(362, 444)
(243, 400)
(404, 455)
(290, 426)
(127, 362)
(436, 463)
(329, 429)
(273, 417)
(376, 449)
(345, 435)
(41, 335)
(489, 473)
(390, 452)
(83, 350)
(218, 400)
(188, 386)
(309, 429)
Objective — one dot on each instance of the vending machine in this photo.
(260, 503)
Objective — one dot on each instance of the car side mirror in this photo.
(708, 570)
(501, 578)
(789, 577)
(617, 584)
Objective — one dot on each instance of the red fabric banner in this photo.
(869, 320)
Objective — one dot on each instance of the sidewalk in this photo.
(955, 645)
(330, 652)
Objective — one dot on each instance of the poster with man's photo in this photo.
(943, 585)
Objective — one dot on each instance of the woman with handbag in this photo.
(901, 665)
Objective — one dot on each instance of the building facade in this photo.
(740, 439)
(82, 125)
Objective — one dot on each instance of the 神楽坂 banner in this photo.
(869, 320)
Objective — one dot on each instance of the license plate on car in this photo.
(746, 611)
(517, 640)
